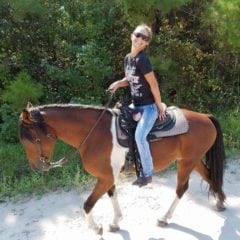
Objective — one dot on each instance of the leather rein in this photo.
(64, 160)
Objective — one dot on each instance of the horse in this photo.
(201, 149)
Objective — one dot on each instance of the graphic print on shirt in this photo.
(133, 80)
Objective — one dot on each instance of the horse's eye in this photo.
(49, 135)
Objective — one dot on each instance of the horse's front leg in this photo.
(102, 186)
(114, 226)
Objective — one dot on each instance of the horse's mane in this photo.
(36, 116)
(24, 132)
(37, 121)
(70, 106)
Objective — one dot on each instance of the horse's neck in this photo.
(71, 125)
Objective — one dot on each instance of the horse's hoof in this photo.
(99, 230)
(162, 223)
(220, 208)
(113, 228)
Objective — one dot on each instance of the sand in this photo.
(59, 215)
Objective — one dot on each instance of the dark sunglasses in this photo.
(142, 36)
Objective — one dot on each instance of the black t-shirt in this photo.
(135, 69)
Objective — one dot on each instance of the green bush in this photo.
(16, 175)
(8, 124)
(231, 129)
(70, 51)
(22, 90)
(12, 161)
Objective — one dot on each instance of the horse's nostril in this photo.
(35, 168)
(40, 166)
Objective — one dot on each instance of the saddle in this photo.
(175, 123)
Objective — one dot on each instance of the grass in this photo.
(231, 131)
(16, 177)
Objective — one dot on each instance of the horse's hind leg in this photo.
(184, 169)
(101, 187)
(220, 196)
(112, 193)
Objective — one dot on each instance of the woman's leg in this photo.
(144, 126)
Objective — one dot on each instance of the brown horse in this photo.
(200, 149)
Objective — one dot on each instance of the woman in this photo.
(145, 96)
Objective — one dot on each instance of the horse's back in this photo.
(199, 123)
(202, 132)
(190, 145)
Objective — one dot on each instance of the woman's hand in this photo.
(161, 112)
(114, 86)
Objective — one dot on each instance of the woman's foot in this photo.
(142, 181)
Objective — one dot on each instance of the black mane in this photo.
(37, 122)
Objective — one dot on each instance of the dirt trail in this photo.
(59, 215)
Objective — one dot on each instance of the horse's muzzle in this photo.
(44, 164)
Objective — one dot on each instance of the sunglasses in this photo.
(142, 36)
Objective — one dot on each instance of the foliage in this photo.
(70, 51)
(73, 50)
(8, 124)
(95, 68)
(12, 161)
(4, 76)
(224, 17)
(22, 90)
(230, 124)
(146, 11)
(17, 177)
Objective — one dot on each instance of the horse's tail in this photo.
(215, 160)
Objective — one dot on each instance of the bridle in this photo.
(43, 159)
(46, 163)
(72, 152)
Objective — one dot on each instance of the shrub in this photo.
(22, 90)
(8, 124)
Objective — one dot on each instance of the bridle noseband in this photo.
(46, 163)
(37, 140)
(43, 159)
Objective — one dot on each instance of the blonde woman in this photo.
(146, 97)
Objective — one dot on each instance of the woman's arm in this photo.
(118, 84)
(151, 79)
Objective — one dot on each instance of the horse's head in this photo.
(37, 138)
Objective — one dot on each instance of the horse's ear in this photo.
(29, 105)
(25, 116)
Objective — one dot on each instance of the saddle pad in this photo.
(174, 125)
(181, 125)
(121, 136)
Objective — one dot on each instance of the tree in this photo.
(22, 90)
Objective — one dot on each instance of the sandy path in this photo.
(59, 215)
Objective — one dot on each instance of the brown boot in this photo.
(142, 181)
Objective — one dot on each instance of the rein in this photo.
(64, 160)
(96, 123)
(46, 162)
